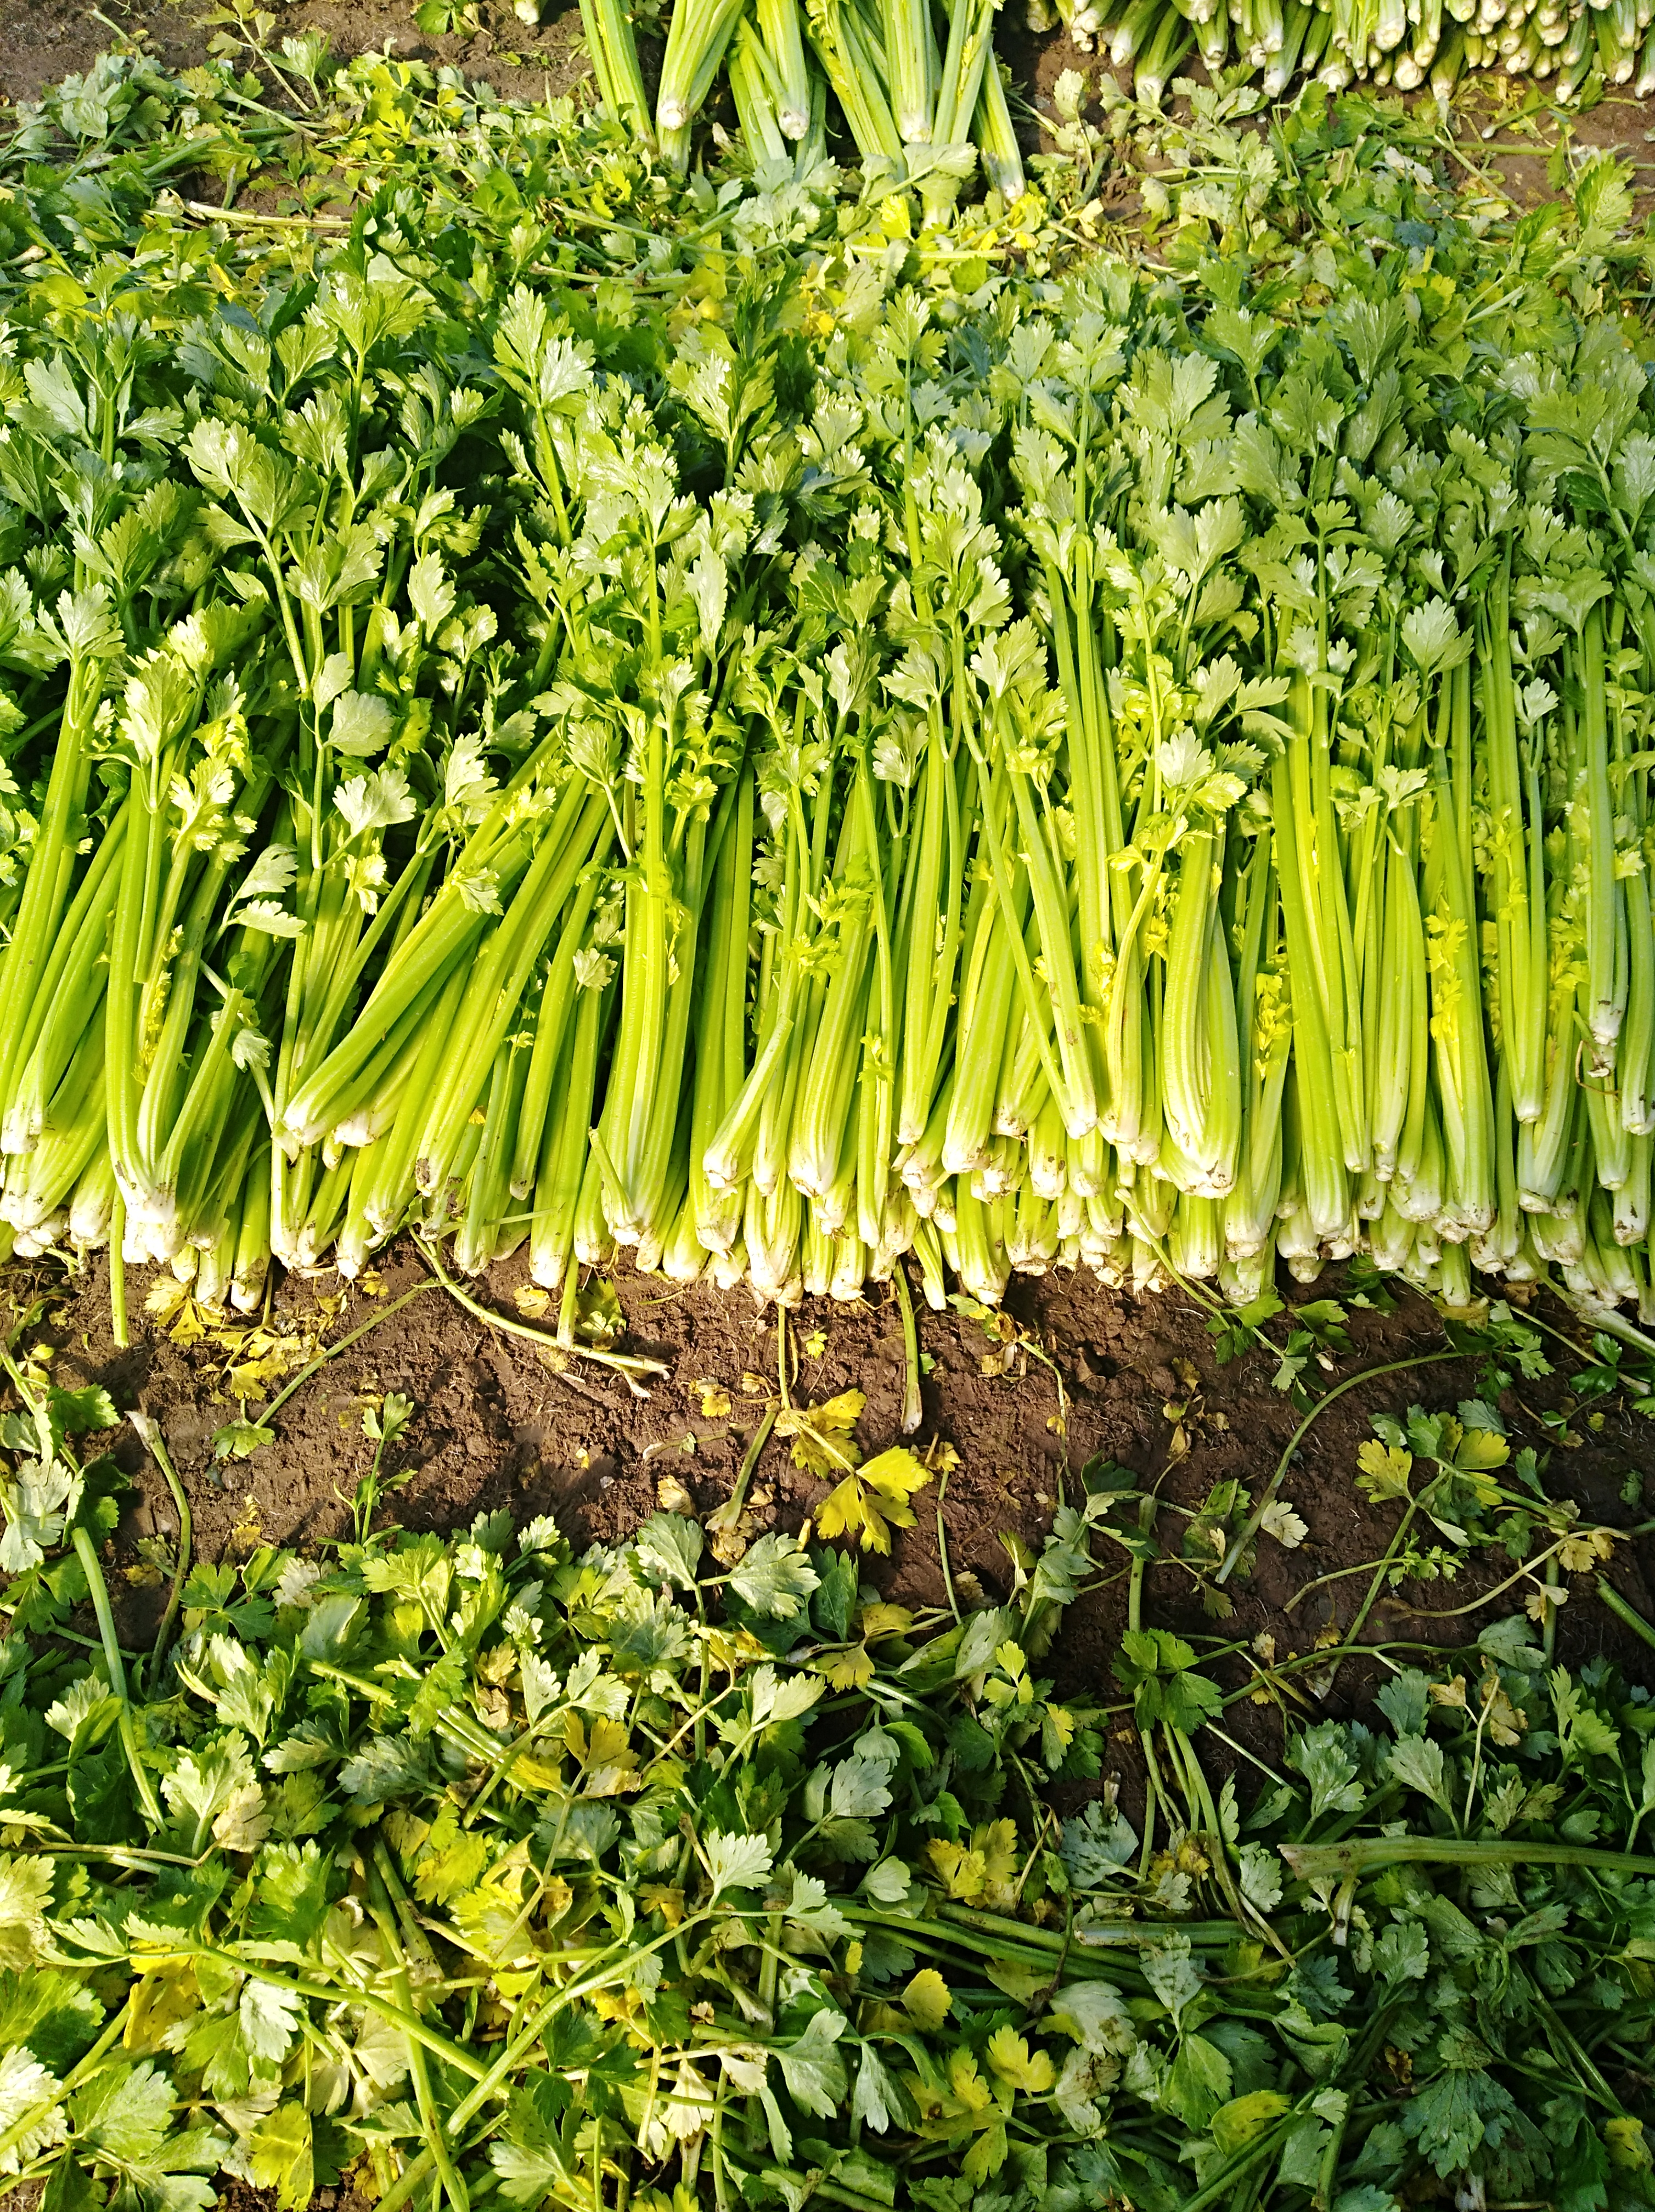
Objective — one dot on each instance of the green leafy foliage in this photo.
(330, 1736)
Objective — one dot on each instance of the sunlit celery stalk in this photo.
(1200, 1049)
(1133, 29)
(1021, 1089)
(607, 25)
(929, 925)
(383, 1182)
(720, 1035)
(859, 92)
(565, 1151)
(977, 1247)
(209, 1194)
(501, 846)
(773, 1226)
(495, 989)
(1039, 845)
(781, 32)
(1635, 1045)
(1460, 1056)
(752, 1138)
(876, 1092)
(822, 1125)
(912, 67)
(996, 135)
(1093, 770)
(695, 40)
(69, 1136)
(1496, 1247)
(988, 998)
(664, 886)
(1265, 1033)
(56, 1018)
(1604, 1002)
(1403, 1036)
(161, 709)
(752, 89)
(193, 1079)
(1543, 1147)
(486, 1231)
(969, 52)
(1517, 888)
(1327, 897)
(1321, 1152)
(552, 1013)
(93, 638)
(663, 1104)
(1173, 39)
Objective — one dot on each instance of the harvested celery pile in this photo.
(922, 93)
(579, 708)
(469, 1871)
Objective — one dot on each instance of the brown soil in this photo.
(503, 1422)
(41, 41)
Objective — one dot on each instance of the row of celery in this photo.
(1086, 785)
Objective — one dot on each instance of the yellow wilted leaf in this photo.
(165, 1296)
(874, 1499)
(928, 2000)
(531, 1301)
(664, 1898)
(1010, 2058)
(616, 2004)
(1385, 1469)
(988, 2152)
(851, 1669)
(1626, 2145)
(881, 1620)
(961, 1869)
(161, 1996)
(822, 1440)
(983, 1871)
(1477, 1451)
(1061, 1722)
(249, 1528)
(714, 1400)
(671, 1497)
(1505, 1723)
(610, 1763)
(998, 1843)
(972, 2092)
(1579, 1553)
(252, 1377)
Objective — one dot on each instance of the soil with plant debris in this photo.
(499, 1421)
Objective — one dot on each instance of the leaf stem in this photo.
(1254, 1522)
(86, 1553)
(150, 1431)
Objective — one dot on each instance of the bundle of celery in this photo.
(471, 1870)
(1145, 772)
(916, 85)
(1401, 43)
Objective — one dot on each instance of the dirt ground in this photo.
(499, 1423)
